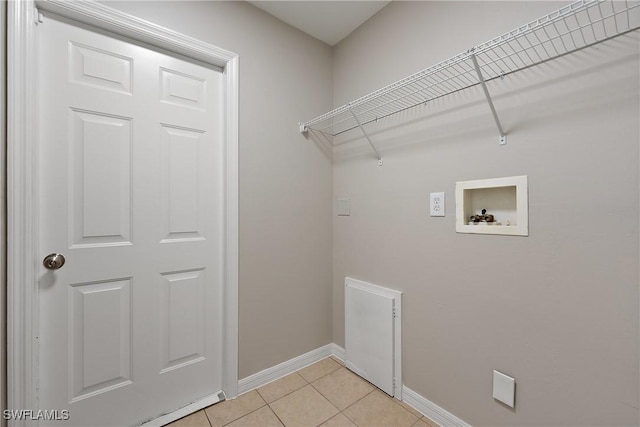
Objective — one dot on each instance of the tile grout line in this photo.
(236, 419)
(322, 376)
(326, 397)
(276, 414)
(287, 394)
(301, 376)
(392, 400)
(347, 417)
(322, 395)
(330, 403)
(385, 395)
(374, 389)
(307, 382)
(248, 413)
(207, 415)
(341, 411)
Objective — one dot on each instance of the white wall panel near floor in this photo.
(373, 334)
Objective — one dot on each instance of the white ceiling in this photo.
(329, 21)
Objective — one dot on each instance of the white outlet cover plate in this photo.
(504, 388)
(436, 204)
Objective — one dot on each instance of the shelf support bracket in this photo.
(503, 137)
(366, 135)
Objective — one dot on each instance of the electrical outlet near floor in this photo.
(436, 204)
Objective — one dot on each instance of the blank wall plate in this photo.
(343, 207)
(504, 388)
(436, 204)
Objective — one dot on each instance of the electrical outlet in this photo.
(436, 204)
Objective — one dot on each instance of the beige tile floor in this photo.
(323, 394)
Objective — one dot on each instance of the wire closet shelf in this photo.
(569, 29)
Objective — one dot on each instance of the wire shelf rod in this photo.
(507, 73)
(435, 85)
(553, 17)
(366, 135)
(601, 15)
(386, 103)
(561, 55)
(571, 28)
(489, 101)
(613, 9)
(543, 22)
(404, 109)
(486, 80)
(559, 36)
(626, 3)
(390, 88)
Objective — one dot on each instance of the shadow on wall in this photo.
(322, 141)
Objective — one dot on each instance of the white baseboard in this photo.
(338, 352)
(285, 368)
(184, 411)
(431, 410)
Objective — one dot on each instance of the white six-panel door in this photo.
(131, 184)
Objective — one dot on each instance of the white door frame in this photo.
(22, 180)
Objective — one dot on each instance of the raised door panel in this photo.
(182, 198)
(100, 337)
(182, 319)
(182, 89)
(101, 69)
(100, 179)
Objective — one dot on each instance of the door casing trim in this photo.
(22, 180)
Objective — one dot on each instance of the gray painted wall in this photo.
(285, 182)
(558, 310)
